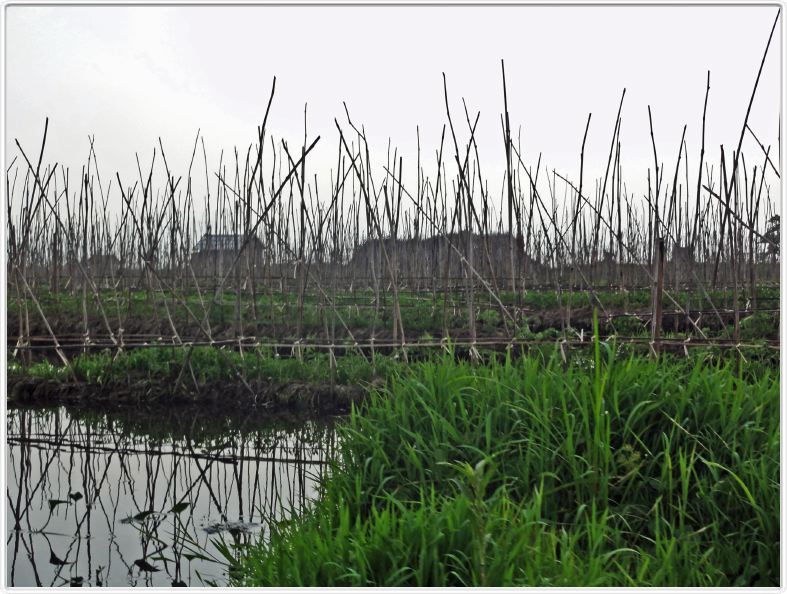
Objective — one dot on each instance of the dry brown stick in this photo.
(656, 298)
(262, 215)
(673, 196)
(649, 274)
(59, 222)
(154, 273)
(375, 220)
(658, 186)
(561, 236)
(573, 223)
(274, 232)
(604, 187)
(734, 262)
(431, 221)
(767, 158)
(508, 175)
(692, 239)
(483, 225)
(58, 350)
(468, 194)
(752, 223)
(739, 220)
(753, 93)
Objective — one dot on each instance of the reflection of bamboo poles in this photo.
(143, 470)
(50, 445)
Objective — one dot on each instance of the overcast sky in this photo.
(129, 75)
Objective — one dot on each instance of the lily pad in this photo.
(243, 527)
(145, 566)
(55, 560)
(142, 515)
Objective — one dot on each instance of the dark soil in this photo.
(296, 397)
(69, 328)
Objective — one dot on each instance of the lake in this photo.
(150, 498)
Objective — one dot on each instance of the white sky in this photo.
(131, 74)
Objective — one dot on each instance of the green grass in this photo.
(211, 364)
(614, 471)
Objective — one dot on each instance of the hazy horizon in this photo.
(129, 75)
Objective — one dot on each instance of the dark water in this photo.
(149, 500)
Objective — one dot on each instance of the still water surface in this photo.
(149, 500)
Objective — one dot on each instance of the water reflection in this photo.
(94, 500)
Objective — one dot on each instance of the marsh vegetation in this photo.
(568, 383)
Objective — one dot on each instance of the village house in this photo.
(427, 257)
(213, 254)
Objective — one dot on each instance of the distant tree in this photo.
(772, 235)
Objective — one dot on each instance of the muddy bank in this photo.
(222, 396)
(186, 421)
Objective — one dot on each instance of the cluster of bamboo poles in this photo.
(716, 226)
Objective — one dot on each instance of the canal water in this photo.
(150, 499)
